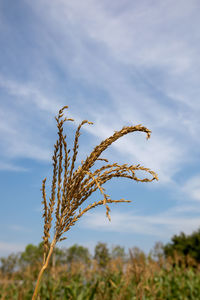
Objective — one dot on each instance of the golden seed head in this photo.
(71, 186)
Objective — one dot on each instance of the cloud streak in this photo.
(161, 226)
(192, 188)
(135, 57)
(7, 247)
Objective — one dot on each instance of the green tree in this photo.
(9, 264)
(102, 254)
(118, 252)
(33, 255)
(157, 253)
(78, 253)
(184, 245)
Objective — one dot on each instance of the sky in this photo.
(114, 63)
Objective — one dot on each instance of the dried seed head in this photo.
(71, 187)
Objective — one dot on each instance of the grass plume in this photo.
(71, 187)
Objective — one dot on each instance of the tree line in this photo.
(182, 244)
(33, 255)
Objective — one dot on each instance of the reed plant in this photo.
(71, 187)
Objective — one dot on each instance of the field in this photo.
(136, 277)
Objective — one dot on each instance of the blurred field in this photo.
(135, 276)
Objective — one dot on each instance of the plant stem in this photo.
(45, 265)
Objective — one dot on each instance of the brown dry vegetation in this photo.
(138, 277)
(72, 186)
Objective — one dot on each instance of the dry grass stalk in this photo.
(71, 189)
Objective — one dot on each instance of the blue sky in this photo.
(114, 63)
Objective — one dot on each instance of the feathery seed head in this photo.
(71, 187)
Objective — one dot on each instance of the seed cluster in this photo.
(71, 187)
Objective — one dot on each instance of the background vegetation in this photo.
(168, 272)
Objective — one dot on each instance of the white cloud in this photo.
(162, 225)
(18, 130)
(163, 154)
(4, 166)
(192, 188)
(19, 228)
(186, 208)
(142, 34)
(17, 142)
(30, 94)
(137, 55)
(6, 248)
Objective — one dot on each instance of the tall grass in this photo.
(139, 277)
(72, 186)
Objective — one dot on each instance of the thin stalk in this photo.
(45, 265)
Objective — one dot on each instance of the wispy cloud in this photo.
(19, 228)
(18, 137)
(11, 167)
(157, 225)
(7, 248)
(29, 94)
(135, 56)
(135, 59)
(192, 188)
